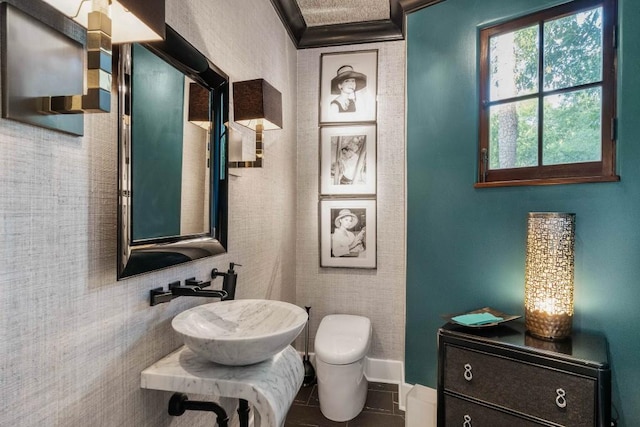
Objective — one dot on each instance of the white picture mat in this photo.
(363, 164)
(363, 208)
(365, 62)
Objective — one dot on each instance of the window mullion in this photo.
(540, 89)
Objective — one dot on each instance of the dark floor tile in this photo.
(314, 400)
(303, 395)
(372, 419)
(379, 401)
(396, 403)
(309, 416)
(381, 409)
(383, 386)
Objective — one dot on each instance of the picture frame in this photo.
(354, 100)
(348, 160)
(348, 233)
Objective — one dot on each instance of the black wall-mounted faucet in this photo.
(191, 288)
(194, 288)
(228, 280)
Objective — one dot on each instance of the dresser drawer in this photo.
(461, 413)
(560, 397)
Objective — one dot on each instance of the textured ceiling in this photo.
(331, 12)
(319, 23)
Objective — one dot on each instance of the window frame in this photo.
(567, 173)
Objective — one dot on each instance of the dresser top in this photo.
(585, 348)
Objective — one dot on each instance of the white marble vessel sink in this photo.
(240, 332)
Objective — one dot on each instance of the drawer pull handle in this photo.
(561, 399)
(468, 375)
(467, 421)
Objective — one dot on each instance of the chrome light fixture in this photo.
(258, 106)
(97, 96)
(133, 20)
(53, 70)
(549, 274)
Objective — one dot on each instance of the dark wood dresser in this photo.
(502, 377)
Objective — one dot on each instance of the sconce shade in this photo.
(549, 273)
(138, 20)
(133, 20)
(255, 101)
(199, 101)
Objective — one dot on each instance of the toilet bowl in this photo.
(341, 343)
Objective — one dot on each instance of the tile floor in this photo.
(380, 409)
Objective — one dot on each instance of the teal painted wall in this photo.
(465, 246)
(157, 128)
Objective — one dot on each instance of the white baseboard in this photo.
(423, 399)
(388, 372)
(384, 371)
(403, 391)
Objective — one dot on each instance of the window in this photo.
(547, 97)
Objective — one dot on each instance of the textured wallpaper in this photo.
(378, 294)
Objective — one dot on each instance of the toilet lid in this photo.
(342, 338)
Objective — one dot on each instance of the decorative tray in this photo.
(485, 310)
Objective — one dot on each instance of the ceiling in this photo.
(319, 23)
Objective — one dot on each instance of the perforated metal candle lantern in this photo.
(548, 299)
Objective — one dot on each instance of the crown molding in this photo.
(351, 33)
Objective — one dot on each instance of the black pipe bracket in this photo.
(180, 403)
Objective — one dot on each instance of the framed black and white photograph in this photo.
(348, 233)
(348, 160)
(348, 86)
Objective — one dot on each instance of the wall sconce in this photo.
(258, 106)
(199, 102)
(55, 72)
(97, 97)
(548, 299)
(133, 20)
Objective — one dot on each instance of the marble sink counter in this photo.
(269, 386)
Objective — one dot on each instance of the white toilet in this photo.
(341, 343)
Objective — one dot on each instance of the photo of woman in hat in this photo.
(345, 84)
(344, 242)
(348, 232)
(348, 86)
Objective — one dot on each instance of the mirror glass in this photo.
(172, 169)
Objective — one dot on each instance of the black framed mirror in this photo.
(172, 174)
